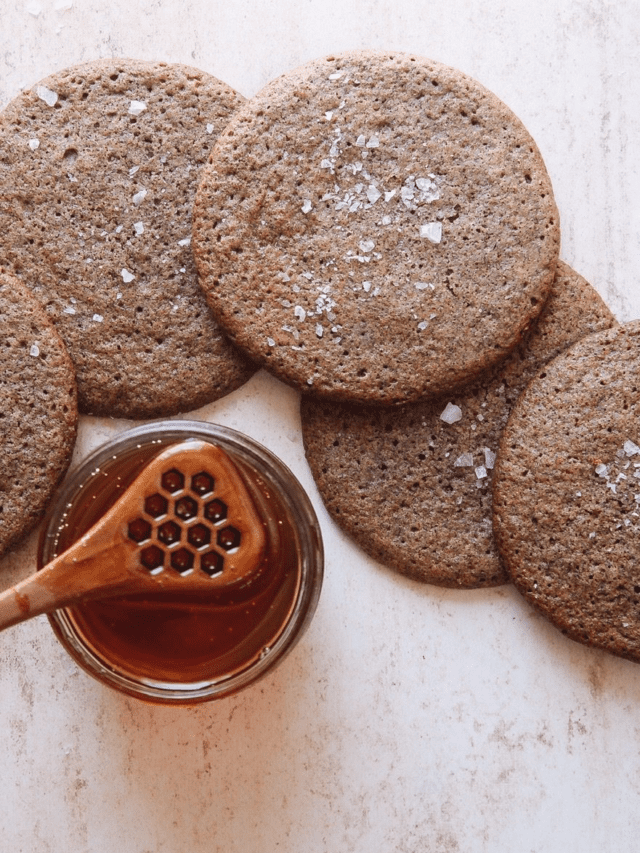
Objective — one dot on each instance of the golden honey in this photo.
(186, 647)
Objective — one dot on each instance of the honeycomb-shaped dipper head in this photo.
(195, 518)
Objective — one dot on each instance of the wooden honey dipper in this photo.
(187, 522)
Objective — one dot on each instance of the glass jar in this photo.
(186, 649)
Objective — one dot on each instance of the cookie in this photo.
(413, 485)
(375, 227)
(38, 410)
(567, 492)
(98, 166)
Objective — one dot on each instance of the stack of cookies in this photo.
(99, 166)
(378, 231)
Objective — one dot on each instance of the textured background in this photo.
(408, 719)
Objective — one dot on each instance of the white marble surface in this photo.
(409, 718)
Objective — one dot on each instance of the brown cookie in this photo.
(413, 485)
(98, 168)
(375, 227)
(567, 492)
(38, 410)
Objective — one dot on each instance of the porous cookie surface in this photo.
(567, 492)
(412, 485)
(38, 410)
(375, 227)
(98, 168)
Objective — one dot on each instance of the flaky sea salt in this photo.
(630, 448)
(185, 242)
(489, 458)
(451, 414)
(138, 227)
(428, 190)
(465, 460)
(34, 144)
(373, 142)
(139, 197)
(126, 275)
(366, 246)
(35, 350)
(361, 141)
(306, 207)
(407, 194)
(432, 231)
(210, 128)
(97, 318)
(271, 342)
(366, 286)
(137, 107)
(319, 330)
(424, 285)
(47, 95)
(373, 194)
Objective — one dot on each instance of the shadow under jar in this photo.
(185, 648)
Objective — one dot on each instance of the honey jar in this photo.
(184, 647)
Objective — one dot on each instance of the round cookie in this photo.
(567, 492)
(412, 485)
(375, 227)
(38, 410)
(99, 165)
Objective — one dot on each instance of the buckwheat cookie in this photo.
(567, 492)
(98, 171)
(38, 410)
(375, 227)
(412, 485)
